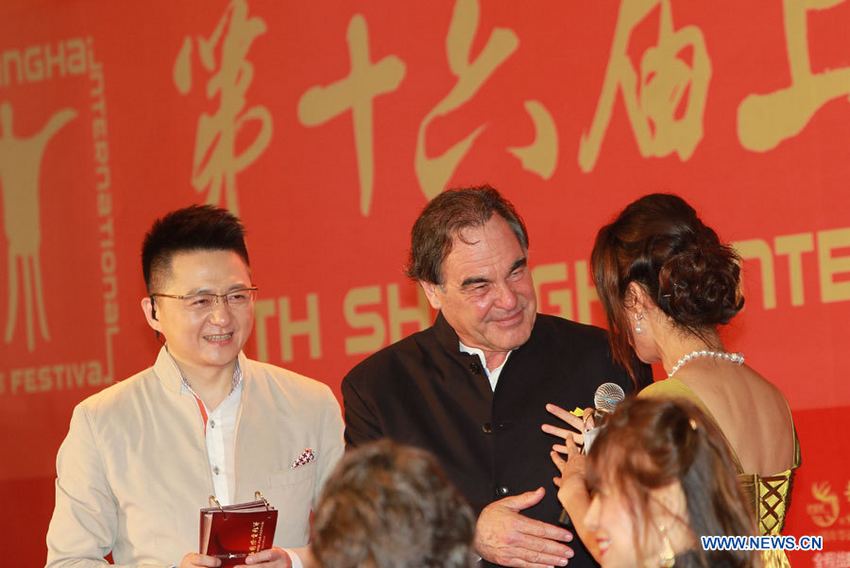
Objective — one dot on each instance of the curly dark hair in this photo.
(390, 506)
(660, 243)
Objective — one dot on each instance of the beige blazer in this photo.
(133, 471)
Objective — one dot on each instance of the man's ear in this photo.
(433, 293)
(149, 309)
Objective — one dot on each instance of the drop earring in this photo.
(638, 318)
(666, 558)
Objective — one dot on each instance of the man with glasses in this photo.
(144, 455)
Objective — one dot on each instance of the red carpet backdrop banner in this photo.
(327, 126)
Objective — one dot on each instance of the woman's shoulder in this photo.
(752, 387)
(667, 388)
(674, 388)
(764, 386)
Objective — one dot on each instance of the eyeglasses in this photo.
(203, 302)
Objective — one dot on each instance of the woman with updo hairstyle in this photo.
(660, 481)
(667, 283)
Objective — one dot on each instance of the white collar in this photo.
(493, 375)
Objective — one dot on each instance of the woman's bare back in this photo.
(751, 412)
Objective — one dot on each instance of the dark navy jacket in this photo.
(425, 392)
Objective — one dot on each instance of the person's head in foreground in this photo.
(390, 506)
(661, 477)
(660, 272)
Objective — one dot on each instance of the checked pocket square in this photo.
(306, 457)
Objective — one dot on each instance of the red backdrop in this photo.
(328, 126)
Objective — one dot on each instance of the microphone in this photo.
(605, 400)
(607, 397)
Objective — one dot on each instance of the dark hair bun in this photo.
(700, 285)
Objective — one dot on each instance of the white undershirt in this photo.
(221, 438)
(492, 376)
(221, 445)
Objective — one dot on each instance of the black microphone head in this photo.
(608, 396)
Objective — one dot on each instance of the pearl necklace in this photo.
(737, 358)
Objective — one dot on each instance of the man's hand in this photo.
(504, 536)
(271, 558)
(193, 560)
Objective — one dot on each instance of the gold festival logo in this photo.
(824, 513)
(224, 54)
(20, 168)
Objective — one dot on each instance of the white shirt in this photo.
(492, 376)
(221, 444)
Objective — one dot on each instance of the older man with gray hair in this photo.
(473, 388)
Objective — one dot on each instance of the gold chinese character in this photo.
(224, 54)
(541, 156)
(365, 81)
(666, 101)
(766, 120)
(20, 169)
(434, 173)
